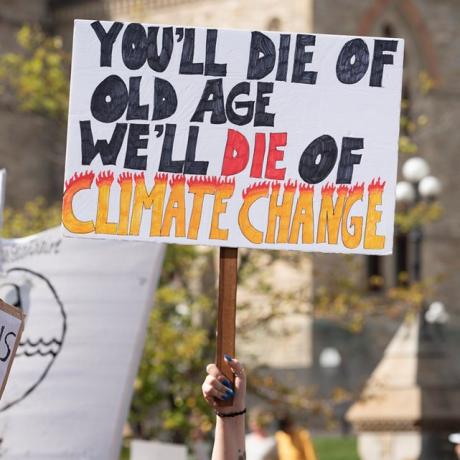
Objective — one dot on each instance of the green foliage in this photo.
(335, 448)
(421, 214)
(38, 74)
(167, 402)
(37, 215)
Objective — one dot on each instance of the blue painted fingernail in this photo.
(227, 384)
(228, 358)
(228, 395)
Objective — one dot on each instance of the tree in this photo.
(38, 75)
(167, 402)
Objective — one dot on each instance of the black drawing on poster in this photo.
(22, 285)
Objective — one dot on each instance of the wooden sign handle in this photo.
(226, 312)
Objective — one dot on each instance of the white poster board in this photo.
(87, 306)
(154, 450)
(233, 138)
(11, 326)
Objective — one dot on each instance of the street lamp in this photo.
(418, 186)
(330, 358)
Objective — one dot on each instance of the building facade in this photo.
(32, 151)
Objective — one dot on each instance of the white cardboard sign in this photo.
(87, 305)
(233, 138)
(11, 327)
(154, 450)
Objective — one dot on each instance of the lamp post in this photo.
(418, 186)
(410, 402)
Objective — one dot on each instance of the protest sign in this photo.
(87, 305)
(233, 138)
(11, 326)
(151, 450)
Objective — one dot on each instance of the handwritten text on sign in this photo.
(11, 327)
(233, 138)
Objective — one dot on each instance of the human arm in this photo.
(229, 440)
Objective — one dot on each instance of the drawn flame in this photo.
(139, 177)
(306, 188)
(161, 178)
(225, 182)
(275, 186)
(79, 178)
(376, 186)
(328, 189)
(256, 187)
(202, 180)
(125, 177)
(290, 185)
(357, 189)
(342, 190)
(104, 178)
(178, 179)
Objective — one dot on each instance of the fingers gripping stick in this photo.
(226, 313)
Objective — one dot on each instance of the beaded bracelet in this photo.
(231, 414)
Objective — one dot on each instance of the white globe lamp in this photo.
(405, 192)
(430, 187)
(415, 169)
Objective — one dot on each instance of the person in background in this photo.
(259, 444)
(229, 439)
(454, 438)
(294, 443)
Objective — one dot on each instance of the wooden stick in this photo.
(226, 312)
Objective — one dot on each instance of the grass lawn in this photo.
(124, 454)
(335, 448)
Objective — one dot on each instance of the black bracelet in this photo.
(231, 414)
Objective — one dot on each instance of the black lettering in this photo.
(381, 59)
(165, 100)
(212, 100)
(134, 46)
(109, 99)
(211, 68)
(285, 43)
(167, 164)
(348, 159)
(8, 347)
(262, 56)
(160, 61)
(107, 40)
(263, 118)
(302, 57)
(323, 148)
(135, 142)
(136, 111)
(107, 150)
(233, 117)
(353, 61)
(191, 165)
(187, 66)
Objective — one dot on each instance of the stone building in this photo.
(432, 44)
(33, 154)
